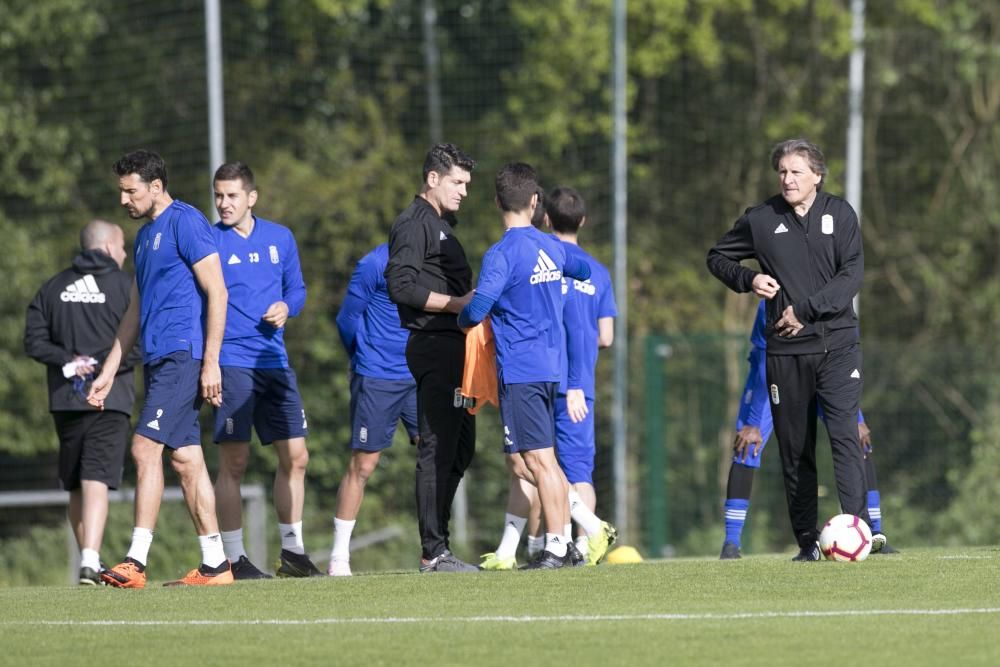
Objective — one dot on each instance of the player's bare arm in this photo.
(208, 273)
(128, 332)
(605, 332)
(444, 303)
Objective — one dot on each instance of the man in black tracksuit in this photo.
(808, 245)
(70, 326)
(430, 280)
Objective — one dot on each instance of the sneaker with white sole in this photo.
(339, 568)
(446, 562)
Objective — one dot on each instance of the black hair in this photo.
(236, 171)
(566, 210)
(443, 157)
(147, 164)
(515, 185)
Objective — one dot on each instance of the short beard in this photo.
(139, 215)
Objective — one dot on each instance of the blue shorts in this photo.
(575, 446)
(376, 406)
(173, 399)
(526, 410)
(266, 399)
(766, 428)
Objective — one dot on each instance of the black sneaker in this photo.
(808, 553)
(296, 565)
(90, 577)
(880, 545)
(548, 561)
(573, 556)
(730, 552)
(244, 569)
(446, 562)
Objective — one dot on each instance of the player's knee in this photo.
(296, 461)
(517, 467)
(539, 461)
(144, 452)
(184, 465)
(233, 461)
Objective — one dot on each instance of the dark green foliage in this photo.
(327, 101)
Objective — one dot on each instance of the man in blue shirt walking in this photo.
(382, 391)
(260, 262)
(178, 305)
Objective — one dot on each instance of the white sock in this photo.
(342, 530)
(582, 514)
(512, 528)
(212, 553)
(90, 558)
(555, 544)
(291, 537)
(583, 545)
(568, 532)
(535, 545)
(142, 538)
(232, 542)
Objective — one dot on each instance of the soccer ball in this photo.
(845, 537)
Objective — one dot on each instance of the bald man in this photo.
(70, 327)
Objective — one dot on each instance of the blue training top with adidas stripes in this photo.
(259, 271)
(521, 277)
(172, 305)
(587, 301)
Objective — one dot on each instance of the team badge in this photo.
(775, 398)
(272, 251)
(826, 223)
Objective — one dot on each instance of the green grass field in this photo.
(922, 607)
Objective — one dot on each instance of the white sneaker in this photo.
(339, 568)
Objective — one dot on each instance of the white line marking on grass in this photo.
(525, 619)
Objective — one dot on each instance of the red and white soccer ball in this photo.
(845, 537)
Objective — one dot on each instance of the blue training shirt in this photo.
(259, 270)
(586, 302)
(522, 277)
(368, 322)
(172, 306)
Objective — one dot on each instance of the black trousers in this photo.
(447, 434)
(796, 383)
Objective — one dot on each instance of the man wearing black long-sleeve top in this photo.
(808, 245)
(70, 326)
(430, 280)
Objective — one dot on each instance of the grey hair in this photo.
(807, 149)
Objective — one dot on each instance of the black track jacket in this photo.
(817, 260)
(77, 313)
(425, 256)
